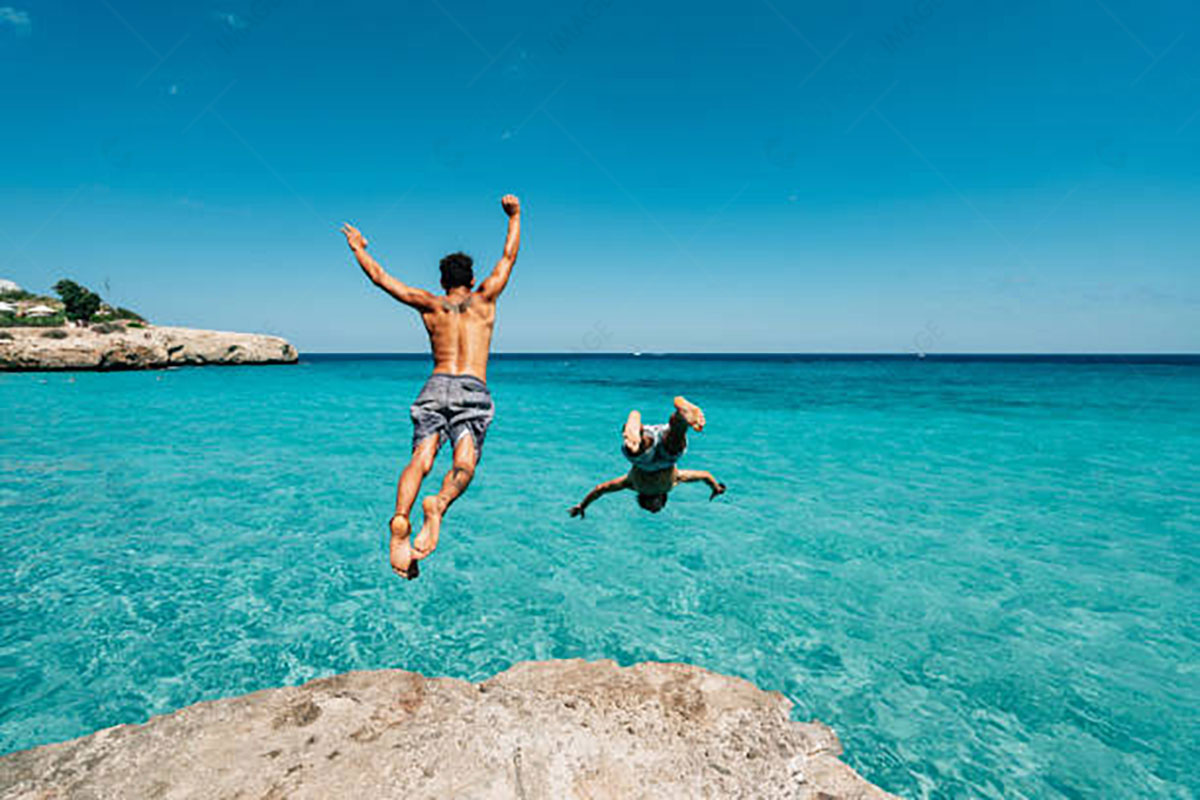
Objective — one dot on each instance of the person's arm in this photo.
(608, 487)
(409, 295)
(694, 475)
(494, 284)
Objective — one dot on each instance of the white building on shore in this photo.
(40, 311)
(8, 286)
(7, 307)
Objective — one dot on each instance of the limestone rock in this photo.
(541, 730)
(151, 347)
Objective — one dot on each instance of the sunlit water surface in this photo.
(982, 575)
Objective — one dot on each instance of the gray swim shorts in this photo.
(452, 406)
(655, 457)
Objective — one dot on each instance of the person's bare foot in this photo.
(690, 412)
(427, 540)
(400, 552)
(632, 433)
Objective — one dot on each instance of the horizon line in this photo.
(765, 354)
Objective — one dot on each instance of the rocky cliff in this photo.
(118, 347)
(553, 730)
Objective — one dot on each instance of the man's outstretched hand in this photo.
(717, 490)
(512, 206)
(576, 511)
(353, 237)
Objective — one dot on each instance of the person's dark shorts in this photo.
(655, 457)
(452, 406)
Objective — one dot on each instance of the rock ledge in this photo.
(551, 729)
(152, 347)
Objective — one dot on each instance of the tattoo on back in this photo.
(457, 308)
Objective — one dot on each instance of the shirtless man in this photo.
(652, 451)
(455, 404)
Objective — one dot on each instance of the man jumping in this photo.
(455, 404)
(652, 450)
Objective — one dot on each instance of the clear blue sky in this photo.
(862, 176)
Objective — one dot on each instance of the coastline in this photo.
(130, 348)
(549, 729)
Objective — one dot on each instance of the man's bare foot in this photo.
(632, 433)
(400, 552)
(427, 540)
(690, 412)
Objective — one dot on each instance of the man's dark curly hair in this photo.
(652, 502)
(456, 271)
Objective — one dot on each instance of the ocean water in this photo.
(982, 574)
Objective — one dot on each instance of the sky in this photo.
(929, 176)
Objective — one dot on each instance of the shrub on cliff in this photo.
(54, 333)
(120, 314)
(108, 327)
(81, 303)
(11, 321)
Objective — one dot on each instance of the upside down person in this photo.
(652, 451)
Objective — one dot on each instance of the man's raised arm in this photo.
(409, 295)
(494, 284)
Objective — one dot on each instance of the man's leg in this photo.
(687, 415)
(453, 485)
(632, 432)
(401, 552)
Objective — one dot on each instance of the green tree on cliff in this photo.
(81, 303)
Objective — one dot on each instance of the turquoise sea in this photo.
(982, 573)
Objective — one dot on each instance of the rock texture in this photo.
(153, 347)
(553, 730)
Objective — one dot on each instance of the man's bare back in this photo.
(460, 333)
(455, 403)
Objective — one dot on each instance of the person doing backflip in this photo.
(652, 451)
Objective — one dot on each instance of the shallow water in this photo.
(982, 575)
